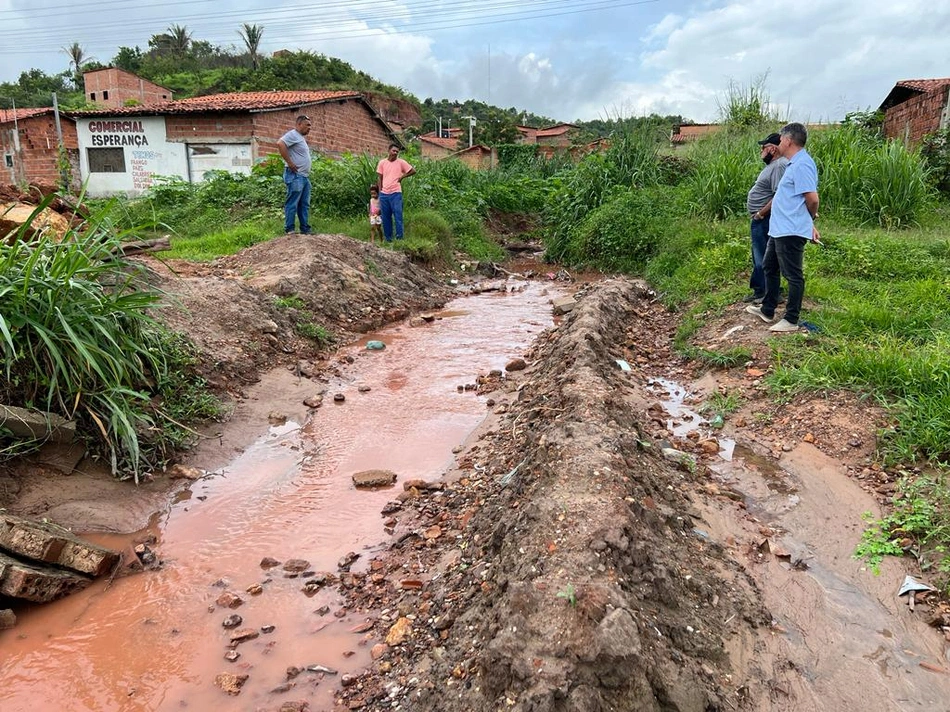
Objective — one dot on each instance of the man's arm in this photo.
(379, 181)
(410, 172)
(285, 154)
(765, 211)
(811, 203)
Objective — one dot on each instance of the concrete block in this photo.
(37, 425)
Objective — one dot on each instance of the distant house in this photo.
(122, 150)
(915, 108)
(559, 135)
(28, 144)
(436, 147)
(113, 87)
(529, 134)
(477, 157)
(687, 133)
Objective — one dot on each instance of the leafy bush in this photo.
(625, 232)
(726, 166)
(428, 238)
(77, 340)
(935, 150)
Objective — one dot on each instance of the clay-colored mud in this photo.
(155, 641)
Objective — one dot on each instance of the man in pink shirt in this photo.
(390, 171)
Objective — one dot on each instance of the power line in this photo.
(450, 18)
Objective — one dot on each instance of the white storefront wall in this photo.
(123, 154)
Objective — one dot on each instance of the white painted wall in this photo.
(231, 157)
(148, 153)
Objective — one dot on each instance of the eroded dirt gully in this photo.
(558, 561)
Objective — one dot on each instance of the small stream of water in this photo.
(155, 641)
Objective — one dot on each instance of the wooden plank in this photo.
(51, 544)
(40, 585)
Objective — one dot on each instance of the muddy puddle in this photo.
(155, 641)
(841, 639)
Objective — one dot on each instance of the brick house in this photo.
(435, 147)
(28, 144)
(121, 150)
(113, 87)
(915, 108)
(477, 157)
(687, 133)
(529, 134)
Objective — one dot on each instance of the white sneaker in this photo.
(784, 326)
(757, 311)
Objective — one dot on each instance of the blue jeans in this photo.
(784, 257)
(760, 239)
(297, 204)
(390, 206)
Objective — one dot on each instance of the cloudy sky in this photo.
(567, 59)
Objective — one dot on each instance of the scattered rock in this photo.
(7, 619)
(232, 656)
(710, 447)
(314, 401)
(232, 621)
(37, 425)
(230, 683)
(183, 472)
(229, 600)
(276, 418)
(296, 565)
(517, 364)
(267, 629)
(338, 397)
(399, 632)
(243, 635)
(255, 589)
(378, 651)
(364, 389)
(268, 563)
(322, 669)
(269, 326)
(563, 305)
(347, 561)
(374, 478)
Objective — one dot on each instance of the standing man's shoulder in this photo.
(291, 137)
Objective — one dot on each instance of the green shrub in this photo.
(935, 150)
(625, 232)
(76, 339)
(726, 166)
(428, 238)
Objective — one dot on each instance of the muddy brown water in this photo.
(155, 641)
(841, 638)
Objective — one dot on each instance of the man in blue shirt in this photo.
(296, 154)
(794, 209)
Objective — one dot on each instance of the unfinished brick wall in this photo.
(36, 161)
(210, 128)
(113, 87)
(338, 127)
(913, 119)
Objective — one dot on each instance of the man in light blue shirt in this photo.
(794, 209)
(296, 154)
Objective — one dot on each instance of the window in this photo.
(105, 95)
(92, 96)
(106, 160)
(8, 159)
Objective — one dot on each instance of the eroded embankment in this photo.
(576, 581)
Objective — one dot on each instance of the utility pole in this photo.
(471, 124)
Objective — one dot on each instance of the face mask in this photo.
(767, 158)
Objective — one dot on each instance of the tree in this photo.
(251, 34)
(175, 40)
(77, 58)
(129, 59)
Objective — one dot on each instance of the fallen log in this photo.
(48, 543)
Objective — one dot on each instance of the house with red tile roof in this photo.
(915, 108)
(435, 147)
(29, 147)
(121, 150)
(559, 135)
(477, 157)
(687, 133)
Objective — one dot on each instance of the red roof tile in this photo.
(925, 85)
(692, 132)
(556, 130)
(232, 102)
(7, 114)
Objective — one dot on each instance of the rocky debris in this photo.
(314, 401)
(232, 621)
(399, 631)
(183, 472)
(230, 682)
(268, 563)
(255, 589)
(62, 457)
(374, 478)
(47, 543)
(47, 221)
(364, 389)
(323, 669)
(347, 561)
(339, 398)
(517, 364)
(269, 326)
(563, 305)
(232, 656)
(7, 618)
(276, 418)
(33, 583)
(242, 635)
(296, 565)
(36, 425)
(267, 629)
(229, 600)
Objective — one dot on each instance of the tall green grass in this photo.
(77, 339)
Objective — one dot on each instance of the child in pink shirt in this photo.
(375, 218)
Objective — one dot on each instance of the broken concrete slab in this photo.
(62, 457)
(51, 544)
(563, 305)
(40, 585)
(37, 425)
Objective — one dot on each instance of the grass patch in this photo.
(320, 335)
(291, 302)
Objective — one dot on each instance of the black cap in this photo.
(773, 138)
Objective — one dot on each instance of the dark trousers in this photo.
(390, 207)
(784, 257)
(759, 231)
